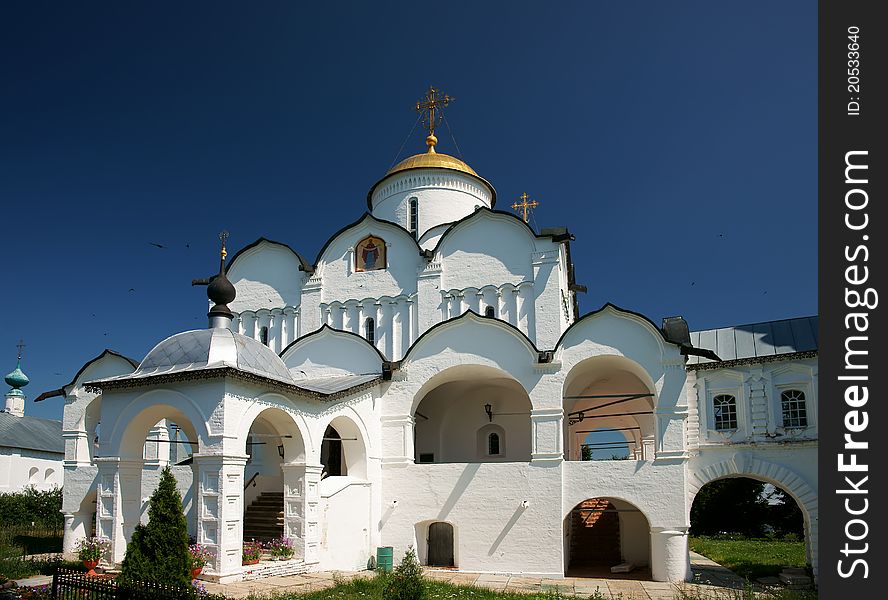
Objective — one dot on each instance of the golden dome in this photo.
(432, 160)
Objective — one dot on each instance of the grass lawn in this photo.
(372, 588)
(751, 558)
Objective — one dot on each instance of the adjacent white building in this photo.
(31, 449)
(427, 381)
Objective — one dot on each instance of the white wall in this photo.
(483, 502)
(21, 468)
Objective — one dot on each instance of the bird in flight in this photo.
(157, 245)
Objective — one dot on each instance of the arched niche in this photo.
(461, 406)
(609, 393)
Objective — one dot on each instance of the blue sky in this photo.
(676, 140)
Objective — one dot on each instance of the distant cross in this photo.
(20, 346)
(524, 205)
(223, 235)
(432, 102)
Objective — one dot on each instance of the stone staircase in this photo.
(264, 518)
(595, 535)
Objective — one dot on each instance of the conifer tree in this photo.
(158, 551)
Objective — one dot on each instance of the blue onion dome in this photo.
(17, 379)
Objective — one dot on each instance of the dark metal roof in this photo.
(757, 340)
(31, 433)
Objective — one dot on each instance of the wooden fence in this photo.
(74, 585)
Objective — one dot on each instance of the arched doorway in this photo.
(603, 533)
(272, 443)
(608, 403)
(750, 526)
(440, 545)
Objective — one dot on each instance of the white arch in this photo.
(744, 464)
(144, 408)
(298, 448)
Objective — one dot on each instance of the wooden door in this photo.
(440, 545)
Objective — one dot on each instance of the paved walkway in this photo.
(711, 580)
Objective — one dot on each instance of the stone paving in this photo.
(711, 581)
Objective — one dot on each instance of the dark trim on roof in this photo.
(355, 224)
(465, 315)
(689, 350)
(61, 390)
(752, 360)
(320, 329)
(618, 309)
(304, 266)
(387, 175)
(223, 373)
(563, 237)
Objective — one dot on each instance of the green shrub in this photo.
(159, 550)
(32, 508)
(405, 582)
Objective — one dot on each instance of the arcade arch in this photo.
(608, 405)
(466, 411)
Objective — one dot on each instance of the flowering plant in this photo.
(92, 548)
(252, 551)
(198, 556)
(280, 548)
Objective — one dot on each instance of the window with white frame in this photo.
(370, 330)
(414, 218)
(724, 412)
(493, 444)
(795, 412)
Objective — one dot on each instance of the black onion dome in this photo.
(220, 291)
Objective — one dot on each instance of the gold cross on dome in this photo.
(433, 101)
(223, 235)
(524, 205)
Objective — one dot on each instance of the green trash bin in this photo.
(384, 558)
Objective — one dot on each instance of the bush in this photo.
(405, 582)
(159, 551)
(32, 508)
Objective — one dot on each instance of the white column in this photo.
(157, 454)
(118, 502)
(397, 335)
(502, 308)
(274, 327)
(669, 554)
(312, 513)
(410, 329)
(547, 437)
(295, 505)
(220, 510)
(76, 529)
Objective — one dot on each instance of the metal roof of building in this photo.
(336, 384)
(208, 349)
(31, 433)
(757, 340)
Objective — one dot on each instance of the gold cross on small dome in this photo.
(432, 102)
(524, 205)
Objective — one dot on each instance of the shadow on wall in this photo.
(462, 484)
(514, 519)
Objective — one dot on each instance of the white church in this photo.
(427, 381)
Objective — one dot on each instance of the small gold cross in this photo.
(524, 205)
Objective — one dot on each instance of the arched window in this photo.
(370, 254)
(32, 474)
(263, 335)
(370, 330)
(795, 413)
(489, 312)
(493, 444)
(724, 412)
(48, 475)
(414, 218)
